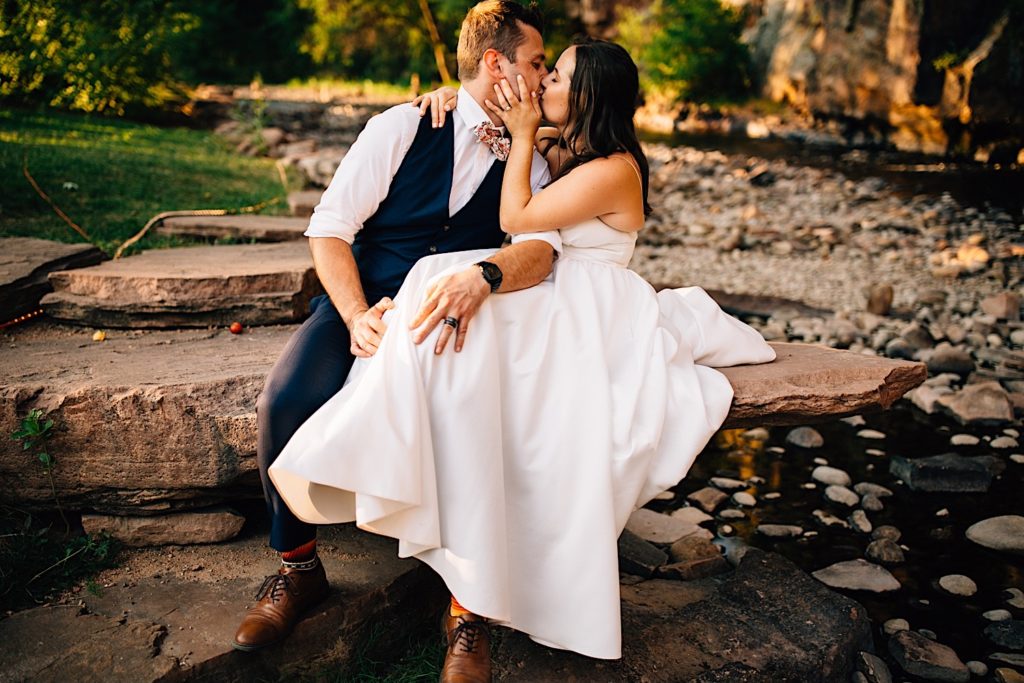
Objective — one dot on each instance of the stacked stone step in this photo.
(25, 264)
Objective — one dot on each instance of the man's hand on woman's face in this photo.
(367, 329)
(458, 296)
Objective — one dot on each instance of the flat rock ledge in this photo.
(254, 284)
(149, 422)
(170, 616)
(243, 227)
(765, 622)
(25, 263)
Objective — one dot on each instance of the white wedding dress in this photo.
(511, 467)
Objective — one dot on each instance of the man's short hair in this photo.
(494, 24)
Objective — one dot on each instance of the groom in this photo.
(405, 190)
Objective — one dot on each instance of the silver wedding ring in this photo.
(508, 108)
(452, 322)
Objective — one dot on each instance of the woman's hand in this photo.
(521, 117)
(438, 102)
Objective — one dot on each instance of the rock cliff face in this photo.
(937, 76)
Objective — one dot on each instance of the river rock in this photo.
(984, 402)
(25, 263)
(1005, 675)
(1007, 634)
(1004, 533)
(857, 575)
(255, 284)
(693, 548)
(692, 515)
(743, 498)
(885, 551)
(859, 521)
(245, 227)
(977, 668)
(841, 495)
(958, 584)
(830, 476)
(947, 358)
(727, 483)
(873, 668)
(637, 556)
(707, 498)
(779, 530)
(212, 525)
(655, 527)
(732, 513)
(964, 440)
(927, 397)
(919, 656)
(946, 473)
(691, 570)
(1003, 442)
(1010, 658)
(997, 615)
(895, 626)
(1005, 305)
(829, 520)
(871, 503)
(805, 437)
(880, 299)
(866, 488)
(873, 434)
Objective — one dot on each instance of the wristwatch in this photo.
(492, 274)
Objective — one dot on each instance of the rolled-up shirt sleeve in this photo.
(363, 179)
(540, 176)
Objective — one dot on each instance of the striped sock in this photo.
(304, 554)
(457, 610)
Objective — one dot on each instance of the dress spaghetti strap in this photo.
(632, 165)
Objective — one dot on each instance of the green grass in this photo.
(123, 173)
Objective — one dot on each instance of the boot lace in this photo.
(467, 634)
(275, 585)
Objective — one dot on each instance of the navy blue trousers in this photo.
(311, 369)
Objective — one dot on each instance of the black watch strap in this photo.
(492, 274)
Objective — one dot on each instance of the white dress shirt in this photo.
(363, 179)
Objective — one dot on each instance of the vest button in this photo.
(447, 227)
(433, 249)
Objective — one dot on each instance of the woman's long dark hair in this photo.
(604, 90)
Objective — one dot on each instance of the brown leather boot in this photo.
(283, 598)
(468, 659)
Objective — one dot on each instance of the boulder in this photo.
(25, 263)
(170, 616)
(244, 227)
(211, 525)
(945, 473)
(932, 661)
(765, 622)
(255, 284)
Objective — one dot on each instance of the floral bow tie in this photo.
(492, 136)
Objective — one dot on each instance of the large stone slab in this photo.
(25, 263)
(241, 227)
(170, 615)
(255, 284)
(808, 383)
(159, 420)
(766, 622)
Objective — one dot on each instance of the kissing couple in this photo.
(500, 410)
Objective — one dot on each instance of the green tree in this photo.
(689, 49)
(100, 55)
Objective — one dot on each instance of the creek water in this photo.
(932, 524)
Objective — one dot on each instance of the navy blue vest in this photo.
(413, 221)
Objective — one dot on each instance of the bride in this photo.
(512, 467)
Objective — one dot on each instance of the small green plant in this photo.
(36, 430)
(252, 119)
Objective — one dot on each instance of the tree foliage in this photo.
(100, 55)
(689, 48)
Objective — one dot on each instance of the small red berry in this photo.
(236, 327)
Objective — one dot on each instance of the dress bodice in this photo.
(594, 240)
